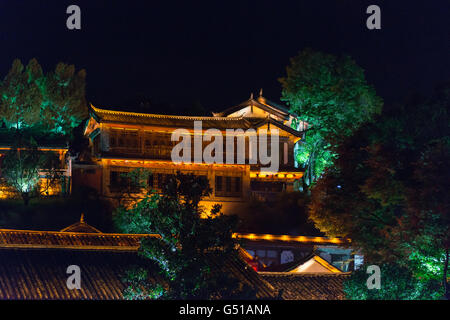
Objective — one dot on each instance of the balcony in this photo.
(162, 153)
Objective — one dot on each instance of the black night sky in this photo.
(217, 52)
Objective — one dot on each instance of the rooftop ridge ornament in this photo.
(261, 99)
(81, 227)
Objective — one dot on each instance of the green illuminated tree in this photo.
(21, 97)
(388, 190)
(24, 164)
(332, 95)
(55, 102)
(64, 105)
(192, 250)
(397, 283)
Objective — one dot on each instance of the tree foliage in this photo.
(54, 101)
(64, 92)
(193, 247)
(331, 94)
(21, 97)
(397, 283)
(388, 189)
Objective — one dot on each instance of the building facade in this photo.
(123, 141)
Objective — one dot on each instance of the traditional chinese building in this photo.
(121, 141)
(302, 253)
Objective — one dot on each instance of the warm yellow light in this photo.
(287, 238)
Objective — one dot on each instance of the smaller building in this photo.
(278, 250)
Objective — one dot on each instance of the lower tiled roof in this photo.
(41, 274)
(242, 271)
(37, 274)
(33, 265)
(307, 286)
(10, 238)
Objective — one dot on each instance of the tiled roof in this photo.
(187, 122)
(41, 274)
(259, 102)
(307, 286)
(245, 273)
(69, 240)
(33, 265)
(279, 125)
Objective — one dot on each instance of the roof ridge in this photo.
(324, 263)
(287, 238)
(79, 233)
(302, 274)
(154, 115)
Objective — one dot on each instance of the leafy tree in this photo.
(141, 285)
(193, 246)
(133, 186)
(388, 189)
(397, 283)
(21, 97)
(54, 101)
(64, 104)
(23, 165)
(331, 94)
(427, 222)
